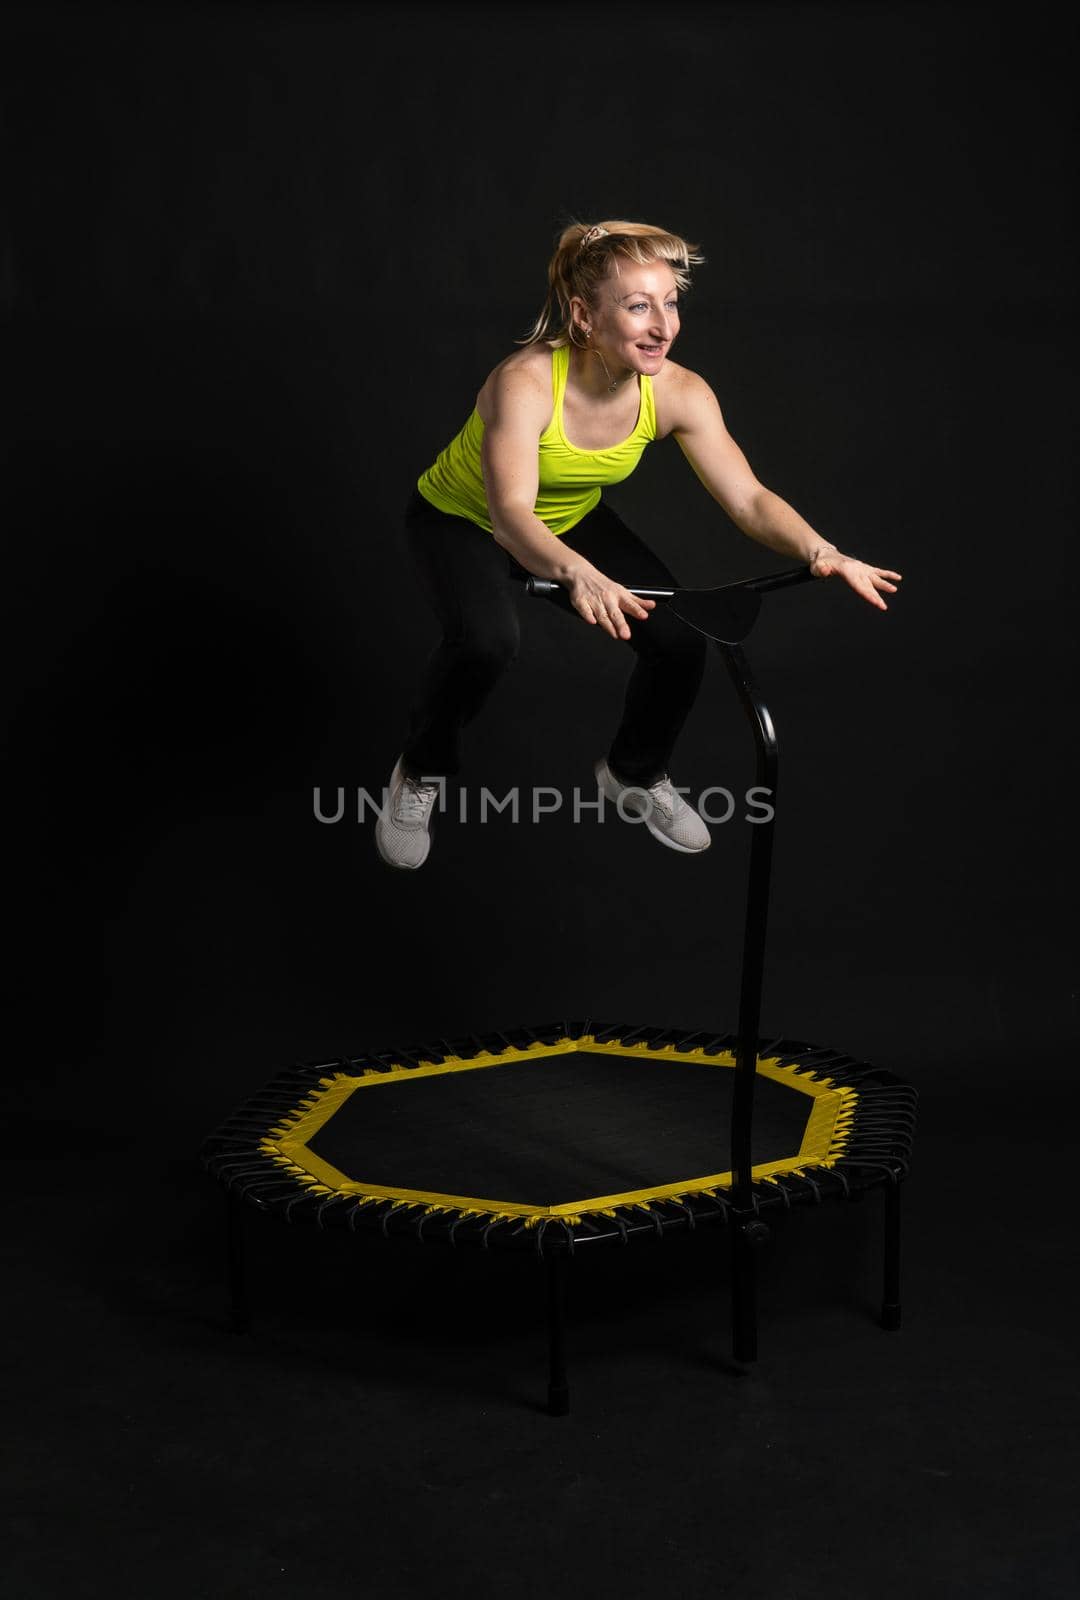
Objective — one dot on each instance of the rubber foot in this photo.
(558, 1402)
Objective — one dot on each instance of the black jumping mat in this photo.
(556, 1129)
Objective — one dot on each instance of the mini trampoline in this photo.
(565, 1137)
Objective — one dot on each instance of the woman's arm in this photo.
(508, 461)
(756, 511)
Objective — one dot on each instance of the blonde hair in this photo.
(582, 258)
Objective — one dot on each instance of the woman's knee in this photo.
(491, 648)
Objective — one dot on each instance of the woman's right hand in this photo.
(601, 601)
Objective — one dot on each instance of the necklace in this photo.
(613, 383)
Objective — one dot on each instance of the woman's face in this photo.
(636, 318)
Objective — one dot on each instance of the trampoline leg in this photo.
(558, 1386)
(746, 1238)
(239, 1315)
(890, 1309)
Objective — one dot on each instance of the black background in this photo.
(257, 261)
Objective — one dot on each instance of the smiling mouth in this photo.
(651, 348)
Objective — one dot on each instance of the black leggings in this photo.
(472, 582)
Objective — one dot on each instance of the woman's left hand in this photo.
(864, 579)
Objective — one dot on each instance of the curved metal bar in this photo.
(755, 925)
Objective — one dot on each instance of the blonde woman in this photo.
(519, 490)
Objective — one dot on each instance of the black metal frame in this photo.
(876, 1154)
(748, 1231)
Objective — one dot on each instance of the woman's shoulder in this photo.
(532, 362)
(676, 390)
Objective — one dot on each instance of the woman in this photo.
(553, 423)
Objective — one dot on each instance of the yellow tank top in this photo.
(570, 479)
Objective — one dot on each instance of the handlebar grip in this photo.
(545, 586)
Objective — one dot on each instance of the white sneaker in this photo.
(403, 831)
(666, 814)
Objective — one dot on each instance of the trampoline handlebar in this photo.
(545, 586)
(776, 580)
